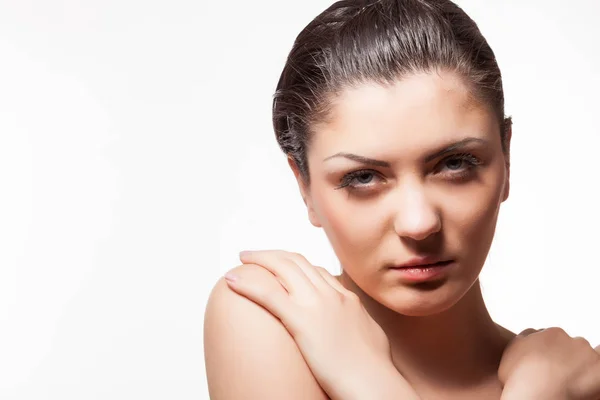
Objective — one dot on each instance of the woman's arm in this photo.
(248, 352)
(347, 352)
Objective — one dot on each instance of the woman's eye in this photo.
(364, 178)
(358, 180)
(459, 166)
(456, 167)
(454, 163)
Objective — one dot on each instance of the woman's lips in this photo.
(423, 272)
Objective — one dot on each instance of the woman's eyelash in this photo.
(349, 177)
(468, 157)
(458, 174)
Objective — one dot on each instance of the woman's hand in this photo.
(549, 364)
(347, 351)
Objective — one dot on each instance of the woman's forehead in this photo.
(421, 110)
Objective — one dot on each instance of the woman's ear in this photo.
(506, 146)
(305, 193)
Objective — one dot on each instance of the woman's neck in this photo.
(456, 349)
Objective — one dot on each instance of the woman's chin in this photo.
(420, 303)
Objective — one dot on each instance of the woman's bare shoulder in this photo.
(248, 352)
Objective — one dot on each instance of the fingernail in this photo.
(245, 253)
(230, 277)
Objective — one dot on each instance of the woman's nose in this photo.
(416, 217)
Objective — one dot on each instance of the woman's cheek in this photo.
(353, 229)
(348, 224)
(474, 220)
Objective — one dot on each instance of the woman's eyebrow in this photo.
(456, 146)
(384, 164)
(361, 159)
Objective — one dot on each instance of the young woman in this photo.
(391, 114)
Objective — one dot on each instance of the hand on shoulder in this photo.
(248, 352)
(550, 364)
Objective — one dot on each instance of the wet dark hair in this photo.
(358, 41)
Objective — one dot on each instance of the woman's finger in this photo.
(311, 271)
(257, 285)
(331, 280)
(290, 274)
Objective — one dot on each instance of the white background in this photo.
(137, 159)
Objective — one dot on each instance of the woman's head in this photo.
(413, 86)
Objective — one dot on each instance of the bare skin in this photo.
(435, 192)
(464, 365)
(416, 206)
(422, 203)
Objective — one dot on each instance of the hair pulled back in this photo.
(360, 41)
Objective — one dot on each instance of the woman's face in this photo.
(433, 187)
